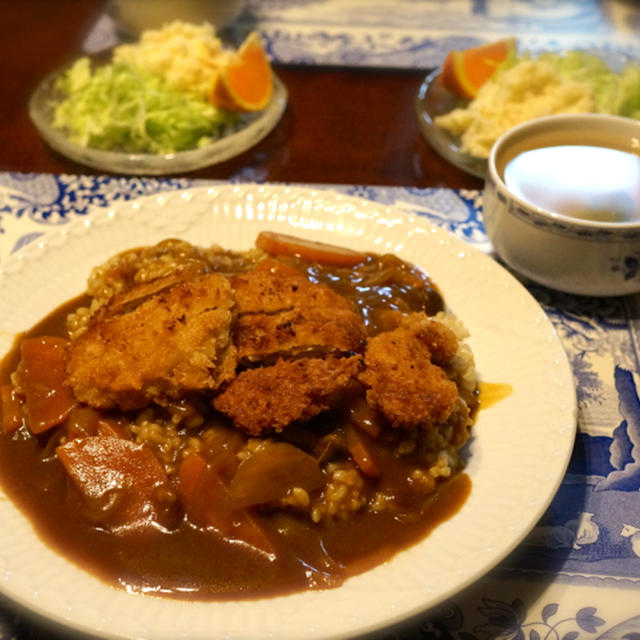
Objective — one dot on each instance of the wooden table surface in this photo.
(341, 126)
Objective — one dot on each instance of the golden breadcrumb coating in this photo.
(269, 398)
(309, 330)
(273, 286)
(401, 378)
(173, 342)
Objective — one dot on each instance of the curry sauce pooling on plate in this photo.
(211, 424)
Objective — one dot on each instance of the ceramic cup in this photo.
(571, 254)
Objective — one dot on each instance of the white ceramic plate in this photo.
(247, 132)
(517, 456)
(434, 100)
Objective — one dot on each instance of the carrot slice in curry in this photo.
(48, 398)
(190, 476)
(364, 417)
(361, 451)
(123, 484)
(85, 421)
(282, 244)
(11, 408)
(204, 497)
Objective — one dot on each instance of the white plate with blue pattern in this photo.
(517, 456)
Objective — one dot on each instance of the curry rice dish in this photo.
(215, 425)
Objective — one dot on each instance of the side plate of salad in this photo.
(115, 116)
(462, 130)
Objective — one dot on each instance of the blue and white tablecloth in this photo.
(419, 33)
(578, 574)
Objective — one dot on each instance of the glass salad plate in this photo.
(241, 136)
(517, 455)
(434, 100)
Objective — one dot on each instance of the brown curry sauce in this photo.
(189, 562)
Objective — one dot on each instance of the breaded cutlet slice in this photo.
(402, 378)
(173, 342)
(273, 286)
(283, 314)
(303, 330)
(269, 398)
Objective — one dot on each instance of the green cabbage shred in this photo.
(613, 93)
(120, 107)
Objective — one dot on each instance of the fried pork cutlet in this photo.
(269, 398)
(282, 314)
(401, 375)
(312, 330)
(172, 342)
(272, 286)
(438, 338)
(131, 298)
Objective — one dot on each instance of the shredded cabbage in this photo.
(526, 87)
(119, 107)
(613, 93)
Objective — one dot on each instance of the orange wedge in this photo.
(245, 83)
(464, 72)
